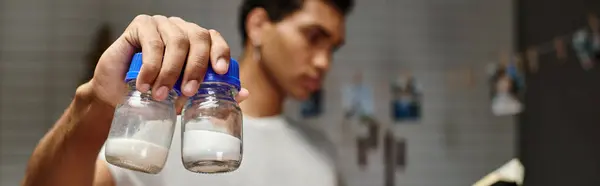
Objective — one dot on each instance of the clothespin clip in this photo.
(518, 61)
(594, 23)
(504, 59)
(559, 46)
(532, 59)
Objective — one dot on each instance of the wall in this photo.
(42, 50)
(457, 142)
(559, 130)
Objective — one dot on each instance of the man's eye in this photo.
(313, 36)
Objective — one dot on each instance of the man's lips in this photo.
(312, 84)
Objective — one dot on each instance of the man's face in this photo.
(297, 51)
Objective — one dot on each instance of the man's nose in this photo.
(322, 61)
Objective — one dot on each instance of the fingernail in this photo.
(144, 88)
(222, 65)
(161, 93)
(191, 87)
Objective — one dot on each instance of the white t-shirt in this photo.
(276, 153)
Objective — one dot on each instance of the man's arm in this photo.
(66, 155)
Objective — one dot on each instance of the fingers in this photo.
(143, 32)
(219, 52)
(198, 56)
(185, 46)
(242, 95)
(176, 49)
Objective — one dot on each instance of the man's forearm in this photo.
(67, 154)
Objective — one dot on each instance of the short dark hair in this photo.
(279, 9)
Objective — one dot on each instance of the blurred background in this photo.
(454, 89)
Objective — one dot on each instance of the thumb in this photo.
(242, 95)
(115, 60)
(110, 71)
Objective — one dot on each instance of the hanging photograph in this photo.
(401, 153)
(586, 43)
(313, 106)
(357, 98)
(507, 84)
(362, 152)
(358, 108)
(394, 156)
(406, 99)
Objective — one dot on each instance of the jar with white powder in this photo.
(142, 128)
(212, 124)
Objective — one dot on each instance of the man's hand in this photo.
(167, 44)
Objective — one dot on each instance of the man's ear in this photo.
(256, 23)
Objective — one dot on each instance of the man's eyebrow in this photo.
(322, 30)
(328, 34)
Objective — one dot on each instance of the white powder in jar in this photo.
(156, 131)
(138, 152)
(201, 145)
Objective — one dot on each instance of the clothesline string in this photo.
(550, 46)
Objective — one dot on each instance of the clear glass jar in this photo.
(142, 128)
(212, 130)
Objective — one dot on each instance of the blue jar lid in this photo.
(232, 76)
(134, 67)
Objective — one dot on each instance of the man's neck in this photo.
(265, 99)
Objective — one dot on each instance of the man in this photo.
(288, 46)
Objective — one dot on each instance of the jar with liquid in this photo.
(212, 124)
(142, 128)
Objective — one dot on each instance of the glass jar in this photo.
(212, 125)
(142, 128)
